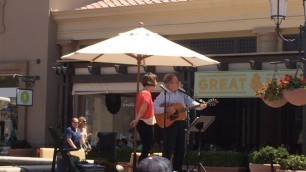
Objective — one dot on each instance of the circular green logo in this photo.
(25, 97)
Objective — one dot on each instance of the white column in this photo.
(267, 39)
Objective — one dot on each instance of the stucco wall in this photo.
(203, 18)
(27, 37)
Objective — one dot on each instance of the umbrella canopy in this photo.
(154, 164)
(141, 44)
(4, 101)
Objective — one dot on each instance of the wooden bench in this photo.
(48, 153)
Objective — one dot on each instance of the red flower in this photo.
(273, 91)
(270, 91)
(289, 82)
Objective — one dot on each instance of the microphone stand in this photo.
(187, 136)
(187, 132)
(165, 129)
(165, 117)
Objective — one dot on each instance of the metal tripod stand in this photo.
(199, 166)
(199, 125)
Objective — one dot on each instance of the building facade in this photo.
(28, 48)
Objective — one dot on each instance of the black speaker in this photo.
(107, 146)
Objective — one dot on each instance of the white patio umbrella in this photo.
(140, 47)
(143, 47)
(4, 101)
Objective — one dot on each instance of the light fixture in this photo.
(28, 80)
(122, 69)
(222, 66)
(278, 14)
(290, 64)
(60, 70)
(180, 68)
(255, 65)
(94, 70)
(149, 69)
(278, 10)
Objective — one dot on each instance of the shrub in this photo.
(218, 158)
(123, 154)
(293, 162)
(268, 153)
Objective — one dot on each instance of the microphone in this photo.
(164, 88)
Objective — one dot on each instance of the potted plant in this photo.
(267, 157)
(294, 89)
(272, 94)
(123, 154)
(293, 162)
(223, 161)
(21, 148)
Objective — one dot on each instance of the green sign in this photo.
(24, 97)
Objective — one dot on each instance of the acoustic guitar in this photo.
(179, 114)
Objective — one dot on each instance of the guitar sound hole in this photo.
(174, 116)
(176, 113)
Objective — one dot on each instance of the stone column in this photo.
(2, 27)
(267, 39)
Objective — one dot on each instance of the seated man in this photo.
(73, 141)
(73, 135)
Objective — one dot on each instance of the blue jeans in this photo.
(61, 165)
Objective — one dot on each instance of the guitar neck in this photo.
(189, 108)
(210, 102)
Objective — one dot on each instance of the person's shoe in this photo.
(119, 167)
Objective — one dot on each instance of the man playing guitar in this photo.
(175, 133)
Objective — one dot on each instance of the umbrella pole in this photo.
(135, 131)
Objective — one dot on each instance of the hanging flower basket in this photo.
(272, 94)
(275, 103)
(296, 96)
(294, 89)
(290, 89)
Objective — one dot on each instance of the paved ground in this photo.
(26, 168)
(30, 164)
(24, 164)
